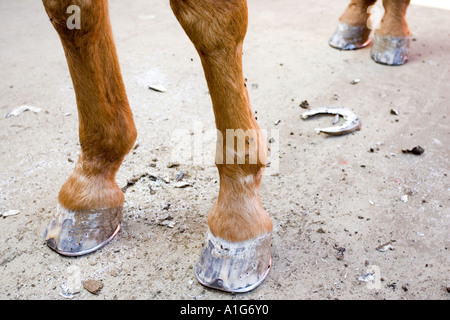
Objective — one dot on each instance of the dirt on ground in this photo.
(354, 217)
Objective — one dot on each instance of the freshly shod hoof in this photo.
(234, 267)
(347, 37)
(392, 51)
(75, 233)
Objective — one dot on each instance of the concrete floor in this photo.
(322, 193)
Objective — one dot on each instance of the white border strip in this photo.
(440, 4)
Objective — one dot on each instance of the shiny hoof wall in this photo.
(392, 51)
(234, 267)
(76, 233)
(347, 37)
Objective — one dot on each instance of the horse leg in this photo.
(352, 31)
(392, 39)
(90, 201)
(236, 256)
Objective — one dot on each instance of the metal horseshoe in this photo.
(351, 124)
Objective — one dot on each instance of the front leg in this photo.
(236, 256)
(90, 201)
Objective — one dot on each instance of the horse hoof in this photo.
(392, 51)
(347, 37)
(76, 233)
(234, 267)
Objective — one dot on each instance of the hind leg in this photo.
(352, 31)
(392, 40)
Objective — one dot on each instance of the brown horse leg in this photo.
(90, 202)
(236, 256)
(352, 31)
(392, 40)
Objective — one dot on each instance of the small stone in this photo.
(9, 213)
(93, 286)
(157, 88)
(394, 112)
(367, 277)
(173, 165)
(385, 247)
(180, 176)
(167, 221)
(182, 184)
(304, 104)
(340, 252)
(392, 285)
(17, 111)
(166, 206)
(416, 150)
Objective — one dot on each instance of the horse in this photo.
(236, 256)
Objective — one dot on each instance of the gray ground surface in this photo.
(327, 193)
